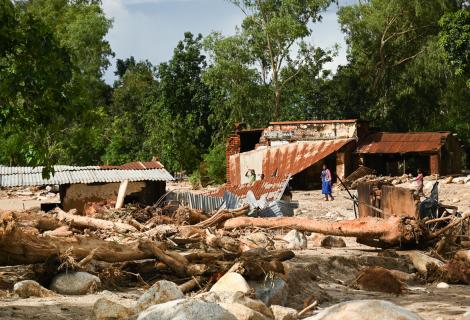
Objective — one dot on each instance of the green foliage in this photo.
(272, 28)
(455, 39)
(215, 163)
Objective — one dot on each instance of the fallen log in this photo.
(222, 215)
(393, 230)
(93, 223)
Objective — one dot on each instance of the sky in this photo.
(150, 29)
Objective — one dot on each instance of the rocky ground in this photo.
(316, 273)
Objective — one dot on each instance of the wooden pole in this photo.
(121, 194)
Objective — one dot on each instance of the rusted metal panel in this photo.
(296, 157)
(382, 200)
(137, 165)
(389, 142)
(271, 188)
(399, 202)
(434, 160)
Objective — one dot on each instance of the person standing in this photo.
(326, 188)
(420, 183)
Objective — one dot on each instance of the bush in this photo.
(214, 164)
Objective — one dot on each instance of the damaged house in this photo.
(298, 149)
(145, 182)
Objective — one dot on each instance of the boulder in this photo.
(442, 285)
(296, 240)
(236, 298)
(256, 240)
(161, 292)
(110, 308)
(420, 260)
(283, 313)
(333, 242)
(30, 288)
(186, 309)
(75, 283)
(231, 282)
(242, 312)
(378, 279)
(365, 310)
(272, 291)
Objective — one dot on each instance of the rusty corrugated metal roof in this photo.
(137, 165)
(293, 158)
(313, 122)
(390, 142)
(272, 188)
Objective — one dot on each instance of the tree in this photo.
(455, 40)
(238, 92)
(273, 28)
(135, 94)
(178, 126)
(34, 71)
(392, 46)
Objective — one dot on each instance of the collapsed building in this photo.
(145, 182)
(298, 149)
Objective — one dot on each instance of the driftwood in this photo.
(92, 223)
(392, 230)
(222, 215)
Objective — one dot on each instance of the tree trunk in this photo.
(392, 230)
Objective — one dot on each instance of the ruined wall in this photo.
(281, 132)
(75, 196)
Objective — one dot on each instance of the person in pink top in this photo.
(420, 182)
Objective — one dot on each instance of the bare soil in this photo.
(315, 273)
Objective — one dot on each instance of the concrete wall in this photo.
(309, 131)
(75, 196)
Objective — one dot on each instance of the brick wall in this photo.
(232, 147)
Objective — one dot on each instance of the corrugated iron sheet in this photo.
(270, 188)
(288, 159)
(136, 166)
(196, 201)
(29, 176)
(278, 208)
(389, 142)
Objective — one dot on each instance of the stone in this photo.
(298, 212)
(316, 239)
(365, 310)
(449, 180)
(466, 315)
(110, 308)
(296, 240)
(161, 292)
(75, 283)
(333, 242)
(463, 255)
(272, 291)
(284, 313)
(442, 285)
(256, 240)
(231, 282)
(420, 260)
(186, 309)
(242, 312)
(30, 288)
(237, 298)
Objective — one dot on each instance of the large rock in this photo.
(231, 282)
(256, 240)
(242, 312)
(110, 308)
(272, 291)
(161, 292)
(30, 288)
(75, 283)
(283, 313)
(332, 242)
(236, 298)
(421, 260)
(296, 240)
(186, 309)
(365, 310)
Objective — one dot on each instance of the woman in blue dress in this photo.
(326, 183)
